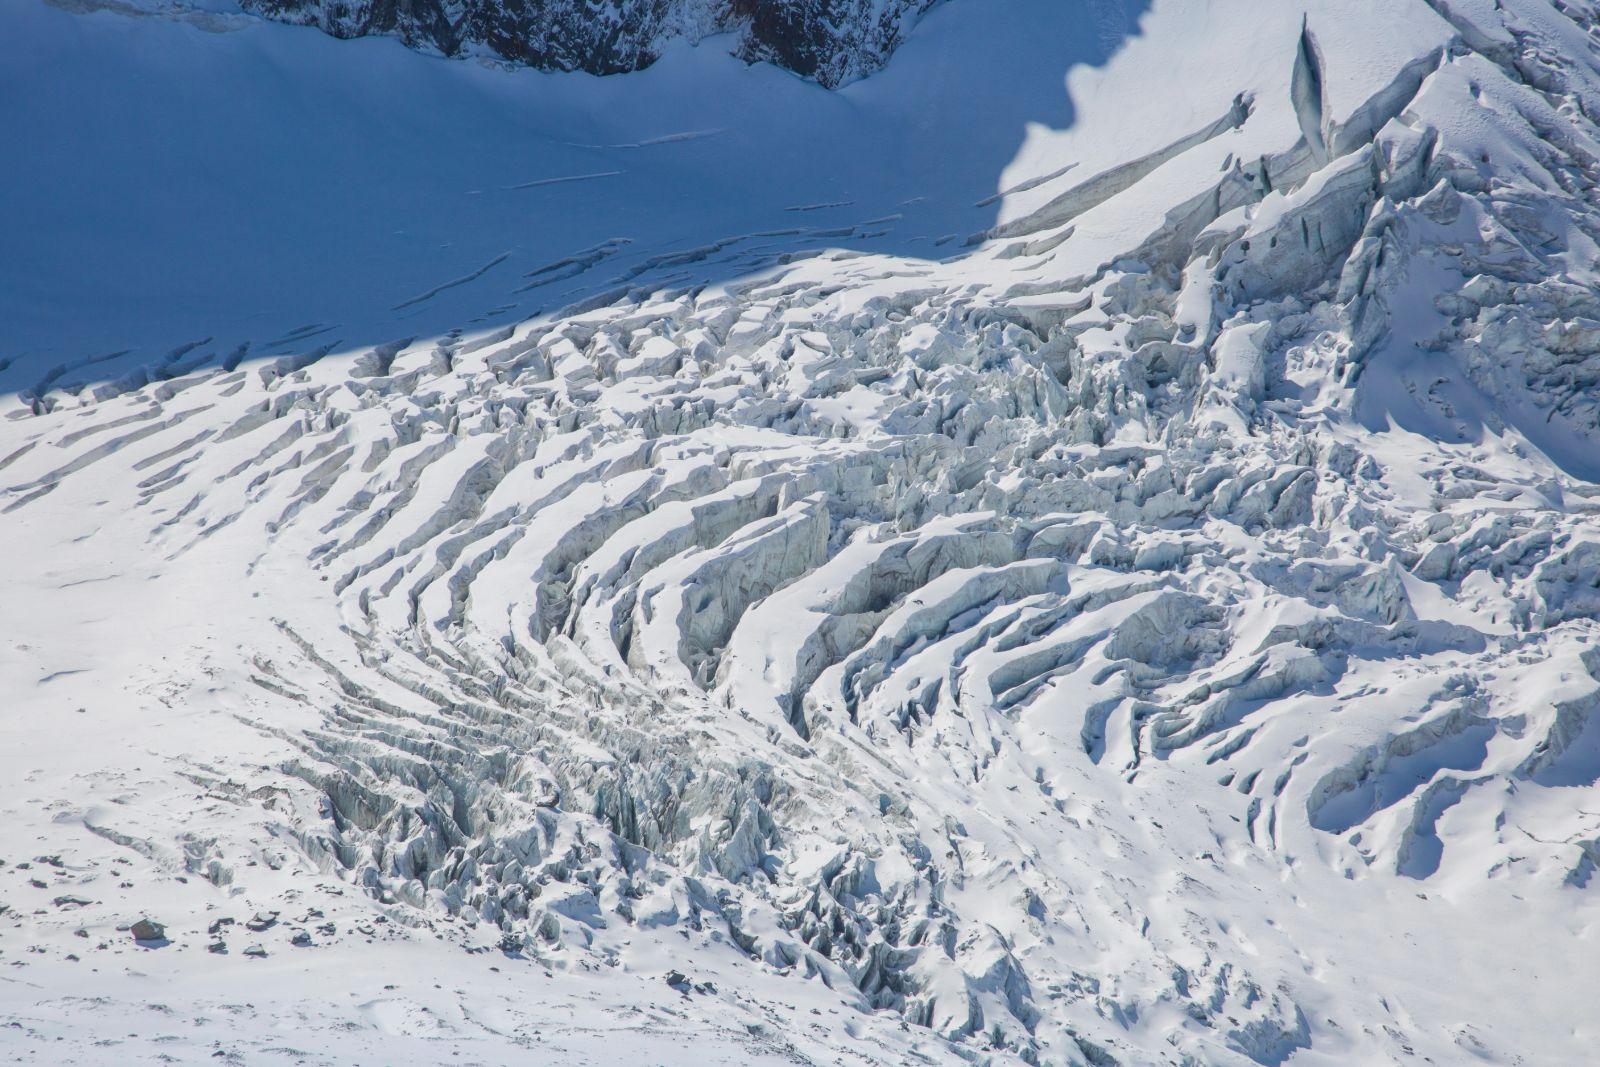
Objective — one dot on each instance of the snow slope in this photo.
(1083, 547)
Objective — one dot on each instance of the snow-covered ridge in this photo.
(1158, 628)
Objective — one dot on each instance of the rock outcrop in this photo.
(833, 41)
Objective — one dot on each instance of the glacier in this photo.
(1079, 547)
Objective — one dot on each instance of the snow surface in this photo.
(1082, 547)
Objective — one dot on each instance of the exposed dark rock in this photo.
(833, 41)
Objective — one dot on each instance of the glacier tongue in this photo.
(1163, 630)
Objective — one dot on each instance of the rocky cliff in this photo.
(833, 41)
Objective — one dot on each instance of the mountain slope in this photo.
(833, 41)
(1158, 627)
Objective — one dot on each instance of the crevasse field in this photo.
(1080, 547)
